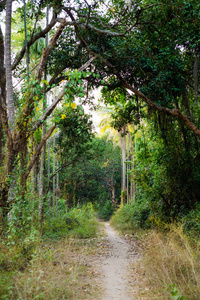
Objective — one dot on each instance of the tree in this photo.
(26, 107)
(123, 114)
(129, 54)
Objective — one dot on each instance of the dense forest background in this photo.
(143, 158)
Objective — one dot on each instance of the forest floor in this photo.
(115, 265)
(100, 268)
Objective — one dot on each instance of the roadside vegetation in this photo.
(57, 174)
(169, 263)
(54, 266)
(167, 224)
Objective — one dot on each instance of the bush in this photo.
(132, 216)
(105, 210)
(81, 221)
(191, 222)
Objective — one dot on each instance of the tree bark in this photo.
(38, 150)
(123, 159)
(9, 86)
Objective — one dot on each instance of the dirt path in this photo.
(115, 266)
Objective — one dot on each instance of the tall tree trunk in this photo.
(9, 86)
(195, 74)
(2, 95)
(128, 165)
(2, 144)
(54, 179)
(57, 184)
(132, 187)
(44, 130)
(123, 148)
(11, 151)
(123, 160)
(26, 42)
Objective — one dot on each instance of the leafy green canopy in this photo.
(92, 166)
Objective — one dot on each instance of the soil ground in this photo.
(115, 264)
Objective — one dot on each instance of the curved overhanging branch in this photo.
(87, 25)
(58, 99)
(172, 112)
(49, 48)
(33, 39)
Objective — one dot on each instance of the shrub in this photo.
(132, 216)
(105, 210)
(81, 221)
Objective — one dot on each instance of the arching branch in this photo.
(58, 99)
(33, 39)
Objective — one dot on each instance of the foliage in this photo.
(132, 216)
(191, 223)
(75, 129)
(93, 173)
(105, 210)
(81, 222)
(166, 171)
(77, 222)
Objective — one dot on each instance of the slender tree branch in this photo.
(58, 99)
(37, 36)
(38, 150)
(49, 48)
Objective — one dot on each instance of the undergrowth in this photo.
(51, 266)
(169, 267)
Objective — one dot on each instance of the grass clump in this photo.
(58, 270)
(169, 268)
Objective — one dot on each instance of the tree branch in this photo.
(172, 112)
(38, 150)
(58, 99)
(33, 39)
(88, 25)
(49, 48)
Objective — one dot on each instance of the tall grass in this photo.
(170, 263)
(58, 271)
(170, 267)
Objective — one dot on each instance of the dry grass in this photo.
(61, 270)
(169, 263)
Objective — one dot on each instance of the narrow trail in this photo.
(115, 262)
